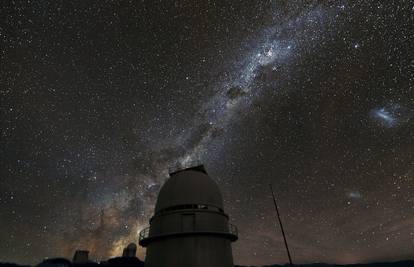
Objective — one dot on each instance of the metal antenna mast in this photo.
(281, 226)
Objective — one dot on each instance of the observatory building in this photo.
(189, 227)
(130, 251)
(81, 256)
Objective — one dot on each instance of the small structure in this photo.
(81, 256)
(130, 251)
(189, 227)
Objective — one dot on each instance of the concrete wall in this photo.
(172, 222)
(190, 251)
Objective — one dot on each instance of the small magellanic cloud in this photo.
(354, 194)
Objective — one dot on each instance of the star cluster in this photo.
(100, 99)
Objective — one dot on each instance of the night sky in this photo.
(100, 98)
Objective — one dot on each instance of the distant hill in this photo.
(379, 264)
(60, 262)
(12, 265)
(135, 262)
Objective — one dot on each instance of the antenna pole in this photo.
(281, 226)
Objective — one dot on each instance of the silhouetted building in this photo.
(125, 262)
(55, 262)
(130, 251)
(189, 227)
(81, 256)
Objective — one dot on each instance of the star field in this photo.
(100, 99)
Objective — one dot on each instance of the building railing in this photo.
(233, 229)
(145, 233)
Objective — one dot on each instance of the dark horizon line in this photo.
(238, 265)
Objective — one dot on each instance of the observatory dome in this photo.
(132, 246)
(190, 187)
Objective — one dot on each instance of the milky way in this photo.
(277, 47)
(101, 100)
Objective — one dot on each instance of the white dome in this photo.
(189, 187)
